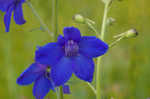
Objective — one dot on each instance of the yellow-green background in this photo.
(125, 68)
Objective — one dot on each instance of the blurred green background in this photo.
(125, 68)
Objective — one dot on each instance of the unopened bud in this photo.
(131, 33)
(79, 18)
(110, 21)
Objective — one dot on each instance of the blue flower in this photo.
(9, 6)
(38, 74)
(71, 54)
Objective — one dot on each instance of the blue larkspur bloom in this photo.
(9, 6)
(71, 54)
(38, 74)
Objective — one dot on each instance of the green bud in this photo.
(131, 33)
(79, 18)
(110, 21)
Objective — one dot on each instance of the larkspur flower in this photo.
(38, 74)
(72, 53)
(9, 6)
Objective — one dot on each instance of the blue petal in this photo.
(18, 14)
(7, 17)
(62, 72)
(31, 74)
(6, 1)
(61, 40)
(72, 33)
(91, 46)
(41, 87)
(22, 1)
(2, 7)
(83, 68)
(66, 89)
(4, 4)
(49, 54)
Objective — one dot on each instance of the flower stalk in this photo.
(98, 79)
(92, 88)
(90, 25)
(55, 18)
(82, 20)
(132, 33)
(55, 29)
(116, 41)
(61, 95)
(39, 19)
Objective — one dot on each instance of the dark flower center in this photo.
(71, 48)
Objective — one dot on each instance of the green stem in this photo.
(39, 18)
(115, 42)
(98, 80)
(55, 18)
(92, 27)
(60, 93)
(104, 22)
(55, 27)
(92, 88)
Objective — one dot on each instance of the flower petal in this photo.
(18, 14)
(62, 72)
(4, 4)
(92, 47)
(31, 74)
(72, 33)
(41, 87)
(2, 7)
(7, 17)
(49, 54)
(61, 40)
(83, 68)
(22, 1)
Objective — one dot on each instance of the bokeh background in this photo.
(125, 68)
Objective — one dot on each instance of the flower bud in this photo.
(79, 18)
(131, 33)
(110, 21)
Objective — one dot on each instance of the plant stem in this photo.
(104, 22)
(98, 80)
(115, 42)
(39, 19)
(60, 93)
(55, 27)
(93, 89)
(55, 18)
(92, 27)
